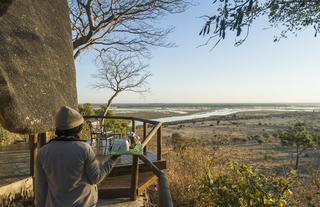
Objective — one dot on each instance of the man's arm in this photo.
(95, 172)
(41, 185)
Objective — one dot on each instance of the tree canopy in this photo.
(298, 136)
(236, 16)
(126, 26)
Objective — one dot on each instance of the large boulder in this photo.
(4, 5)
(37, 72)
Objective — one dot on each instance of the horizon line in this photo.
(205, 103)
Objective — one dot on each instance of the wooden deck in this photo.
(117, 184)
(124, 164)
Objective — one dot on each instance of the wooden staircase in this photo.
(118, 183)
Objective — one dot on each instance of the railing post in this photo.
(145, 132)
(135, 170)
(134, 126)
(159, 142)
(33, 153)
(42, 139)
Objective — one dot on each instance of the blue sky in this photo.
(258, 71)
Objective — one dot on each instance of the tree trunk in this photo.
(297, 159)
(108, 106)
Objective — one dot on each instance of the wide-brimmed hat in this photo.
(68, 118)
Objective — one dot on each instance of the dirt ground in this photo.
(236, 138)
(250, 138)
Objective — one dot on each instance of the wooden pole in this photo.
(159, 142)
(42, 139)
(135, 171)
(134, 126)
(145, 131)
(33, 153)
(134, 177)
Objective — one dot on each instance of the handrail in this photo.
(164, 190)
(150, 135)
(122, 117)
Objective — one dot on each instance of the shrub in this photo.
(258, 138)
(185, 168)
(239, 139)
(244, 187)
(177, 140)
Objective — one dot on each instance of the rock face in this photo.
(4, 5)
(37, 72)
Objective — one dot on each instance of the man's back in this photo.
(67, 169)
(64, 166)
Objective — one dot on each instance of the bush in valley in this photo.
(245, 187)
(177, 140)
(258, 138)
(239, 139)
(266, 135)
(220, 139)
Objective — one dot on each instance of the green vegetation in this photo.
(109, 124)
(244, 187)
(297, 136)
(86, 109)
(199, 177)
(236, 16)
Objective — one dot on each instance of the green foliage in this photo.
(114, 124)
(110, 124)
(316, 138)
(245, 187)
(86, 109)
(100, 111)
(236, 16)
(297, 136)
(3, 135)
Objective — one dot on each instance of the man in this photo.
(67, 169)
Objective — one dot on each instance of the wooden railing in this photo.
(164, 191)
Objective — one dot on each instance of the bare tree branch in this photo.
(120, 72)
(127, 26)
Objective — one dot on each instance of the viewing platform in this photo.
(129, 178)
(132, 174)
